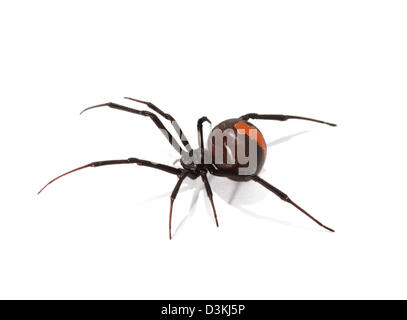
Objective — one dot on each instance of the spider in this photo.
(240, 135)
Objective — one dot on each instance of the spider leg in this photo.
(210, 194)
(273, 189)
(169, 117)
(174, 193)
(140, 162)
(284, 197)
(280, 117)
(145, 113)
(200, 135)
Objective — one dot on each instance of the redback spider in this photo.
(199, 162)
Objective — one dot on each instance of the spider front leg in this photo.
(170, 118)
(140, 162)
(144, 113)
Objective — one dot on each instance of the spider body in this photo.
(240, 137)
(192, 161)
(236, 150)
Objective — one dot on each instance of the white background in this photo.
(102, 232)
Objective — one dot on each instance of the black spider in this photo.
(229, 137)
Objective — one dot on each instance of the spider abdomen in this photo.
(237, 147)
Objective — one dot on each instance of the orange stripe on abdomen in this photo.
(253, 133)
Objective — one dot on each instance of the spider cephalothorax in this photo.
(236, 150)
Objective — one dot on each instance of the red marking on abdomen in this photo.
(253, 133)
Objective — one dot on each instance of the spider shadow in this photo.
(236, 194)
